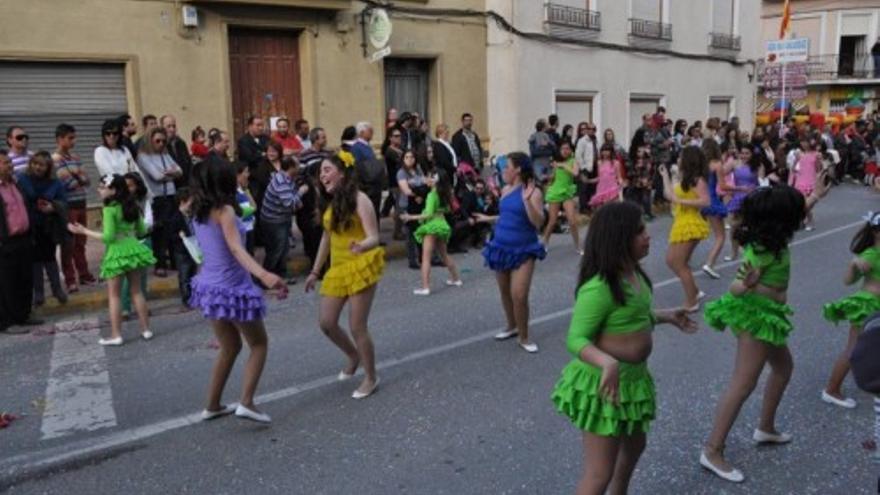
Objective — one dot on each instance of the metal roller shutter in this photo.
(40, 95)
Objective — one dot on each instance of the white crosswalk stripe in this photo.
(78, 395)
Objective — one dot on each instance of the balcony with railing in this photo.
(723, 41)
(571, 22)
(844, 67)
(650, 30)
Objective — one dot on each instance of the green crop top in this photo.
(872, 256)
(115, 227)
(595, 312)
(775, 270)
(432, 206)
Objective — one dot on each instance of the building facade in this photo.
(841, 72)
(609, 62)
(82, 62)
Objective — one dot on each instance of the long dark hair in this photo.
(444, 188)
(557, 156)
(140, 189)
(866, 236)
(693, 167)
(214, 184)
(770, 217)
(343, 201)
(608, 248)
(130, 209)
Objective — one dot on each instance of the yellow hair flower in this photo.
(346, 157)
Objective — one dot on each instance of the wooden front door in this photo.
(265, 73)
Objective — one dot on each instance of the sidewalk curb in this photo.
(165, 288)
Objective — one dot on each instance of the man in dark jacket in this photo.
(252, 146)
(178, 149)
(444, 154)
(16, 254)
(370, 172)
(466, 143)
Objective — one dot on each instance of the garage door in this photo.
(38, 96)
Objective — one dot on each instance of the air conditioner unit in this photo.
(190, 16)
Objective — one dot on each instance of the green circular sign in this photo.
(379, 28)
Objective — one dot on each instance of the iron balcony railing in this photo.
(643, 28)
(836, 67)
(563, 15)
(725, 41)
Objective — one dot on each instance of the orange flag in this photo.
(786, 19)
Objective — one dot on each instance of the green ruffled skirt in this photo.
(854, 309)
(765, 319)
(125, 255)
(577, 396)
(561, 193)
(435, 226)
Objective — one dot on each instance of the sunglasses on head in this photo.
(21, 137)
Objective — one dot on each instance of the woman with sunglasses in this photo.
(159, 171)
(111, 157)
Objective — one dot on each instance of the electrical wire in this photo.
(502, 23)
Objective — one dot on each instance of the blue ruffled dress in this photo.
(716, 207)
(515, 239)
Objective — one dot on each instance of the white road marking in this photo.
(61, 454)
(78, 396)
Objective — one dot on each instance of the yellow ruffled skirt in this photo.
(353, 276)
(688, 227)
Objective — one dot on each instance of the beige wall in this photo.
(822, 21)
(186, 73)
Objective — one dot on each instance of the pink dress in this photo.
(607, 189)
(804, 177)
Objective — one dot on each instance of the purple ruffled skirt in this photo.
(241, 303)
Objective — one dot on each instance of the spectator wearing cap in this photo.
(16, 253)
(19, 154)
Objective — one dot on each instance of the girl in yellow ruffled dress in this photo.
(688, 226)
(351, 240)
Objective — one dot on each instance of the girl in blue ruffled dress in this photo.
(515, 246)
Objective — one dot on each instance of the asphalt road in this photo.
(457, 413)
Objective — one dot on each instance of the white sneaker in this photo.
(422, 292)
(454, 283)
(764, 437)
(243, 412)
(710, 272)
(734, 476)
(110, 342)
(845, 403)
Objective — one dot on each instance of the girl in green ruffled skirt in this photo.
(858, 307)
(756, 312)
(606, 390)
(434, 232)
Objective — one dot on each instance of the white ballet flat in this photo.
(358, 395)
(421, 292)
(225, 410)
(110, 342)
(506, 334)
(734, 476)
(844, 403)
(710, 272)
(454, 283)
(342, 376)
(764, 437)
(700, 296)
(147, 335)
(243, 412)
(531, 347)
